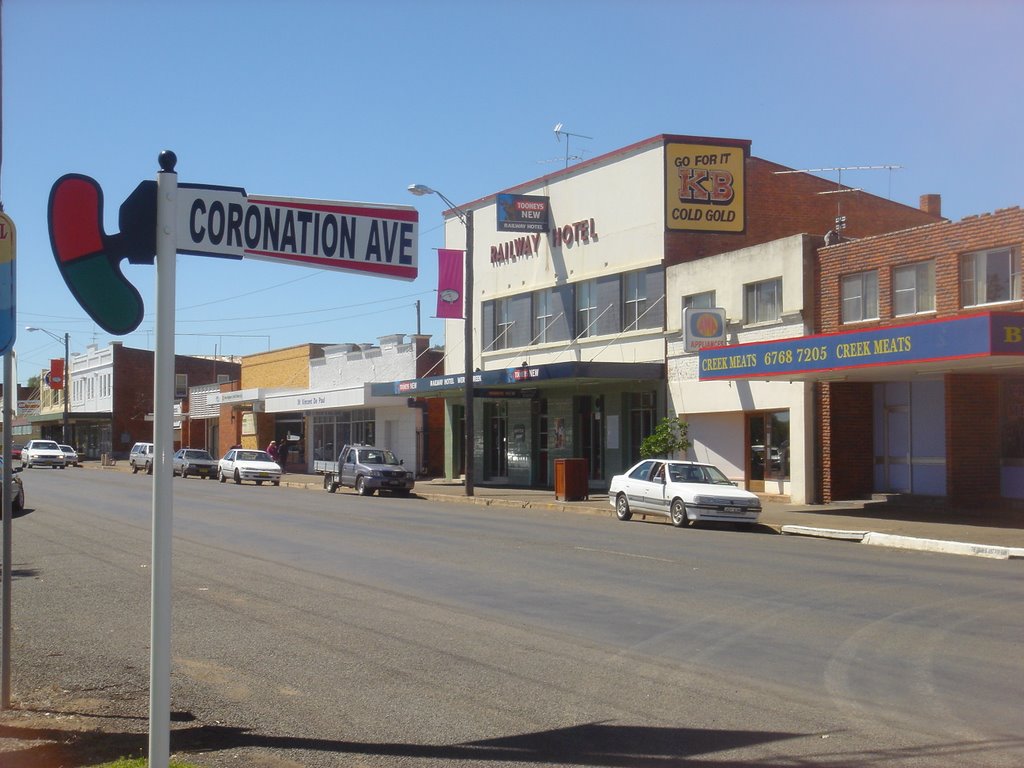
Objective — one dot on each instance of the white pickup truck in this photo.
(367, 469)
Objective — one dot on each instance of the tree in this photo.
(668, 438)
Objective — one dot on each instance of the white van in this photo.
(141, 458)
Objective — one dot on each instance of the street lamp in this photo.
(466, 217)
(66, 384)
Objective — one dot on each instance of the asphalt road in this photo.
(331, 630)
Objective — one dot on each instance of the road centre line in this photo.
(625, 554)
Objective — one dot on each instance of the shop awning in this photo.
(491, 383)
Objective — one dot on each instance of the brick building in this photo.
(947, 418)
(916, 362)
(315, 398)
(111, 399)
(238, 411)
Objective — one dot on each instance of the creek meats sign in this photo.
(982, 335)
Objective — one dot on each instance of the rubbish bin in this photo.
(571, 480)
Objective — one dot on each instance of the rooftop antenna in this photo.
(840, 218)
(559, 133)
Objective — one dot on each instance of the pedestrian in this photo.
(272, 450)
(282, 453)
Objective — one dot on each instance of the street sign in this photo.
(371, 238)
(8, 322)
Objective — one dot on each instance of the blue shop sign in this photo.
(980, 335)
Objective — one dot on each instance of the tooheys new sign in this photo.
(369, 238)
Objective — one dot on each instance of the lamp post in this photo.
(466, 217)
(66, 384)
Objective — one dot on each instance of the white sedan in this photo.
(248, 464)
(42, 453)
(683, 491)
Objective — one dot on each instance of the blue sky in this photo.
(355, 101)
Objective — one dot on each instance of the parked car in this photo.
(16, 451)
(368, 469)
(18, 499)
(70, 455)
(141, 458)
(248, 464)
(194, 461)
(684, 491)
(42, 453)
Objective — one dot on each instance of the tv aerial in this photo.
(840, 189)
(559, 132)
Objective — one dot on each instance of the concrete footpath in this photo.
(920, 524)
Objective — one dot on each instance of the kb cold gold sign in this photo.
(704, 187)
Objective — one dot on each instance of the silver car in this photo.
(18, 499)
(70, 455)
(194, 462)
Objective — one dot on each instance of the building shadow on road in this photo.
(591, 744)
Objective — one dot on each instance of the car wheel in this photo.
(135, 468)
(361, 487)
(184, 473)
(329, 485)
(679, 519)
(220, 476)
(149, 468)
(238, 478)
(622, 507)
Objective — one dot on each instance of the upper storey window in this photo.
(762, 302)
(989, 277)
(860, 297)
(913, 289)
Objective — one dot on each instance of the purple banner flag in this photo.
(449, 283)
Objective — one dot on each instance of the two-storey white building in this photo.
(756, 431)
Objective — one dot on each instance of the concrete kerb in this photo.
(948, 547)
(874, 538)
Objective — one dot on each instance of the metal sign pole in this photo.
(8, 333)
(8, 529)
(163, 443)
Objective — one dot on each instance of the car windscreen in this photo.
(198, 455)
(46, 445)
(377, 457)
(253, 456)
